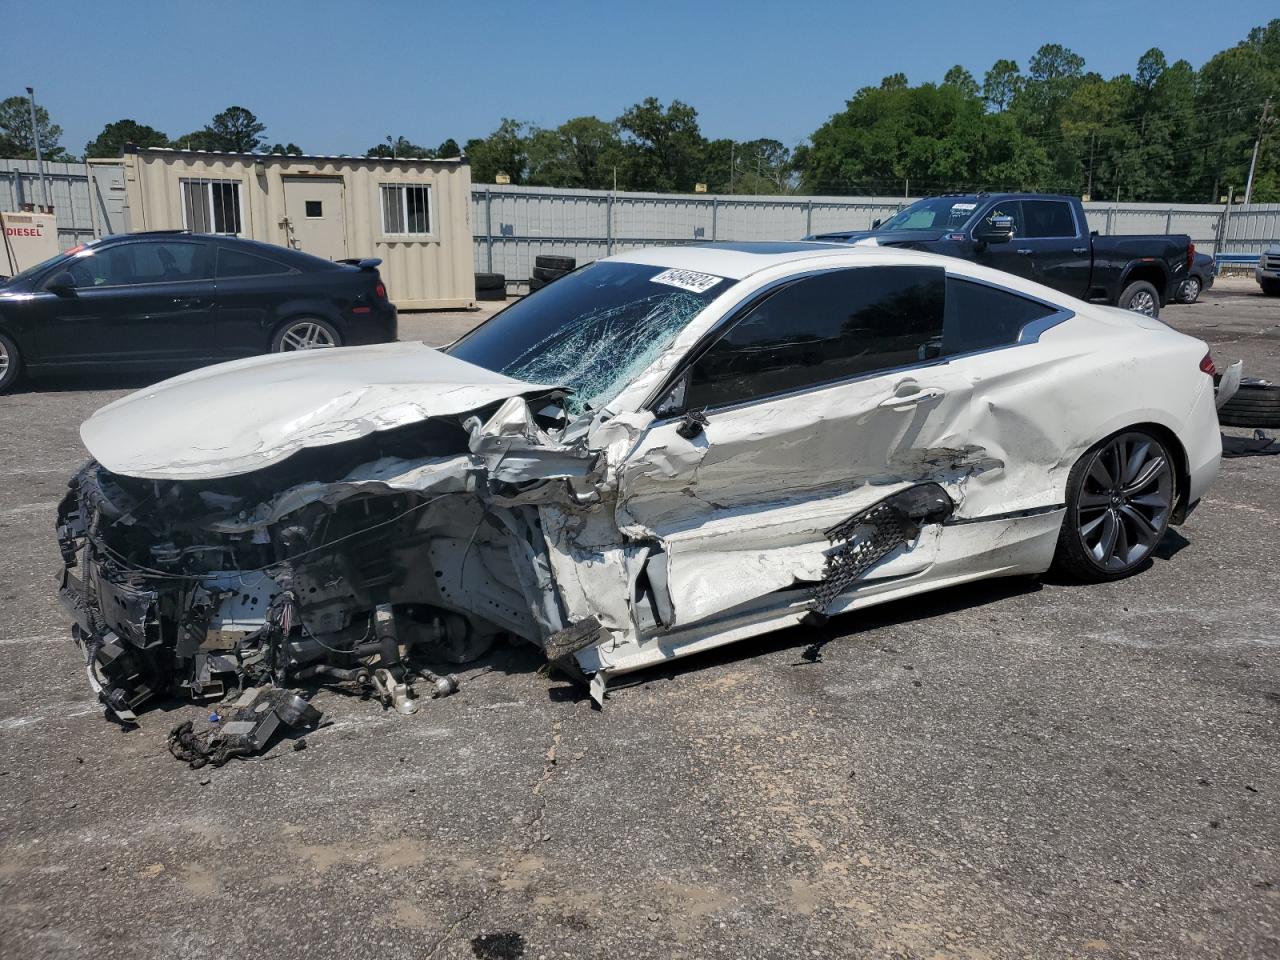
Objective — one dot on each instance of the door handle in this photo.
(1080, 250)
(1024, 251)
(911, 399)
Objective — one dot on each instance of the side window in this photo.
(1047, 218)
(237, 263)
(836, 325)
(163, 262)
(979, 317)
(1007, 208)
(129, 264)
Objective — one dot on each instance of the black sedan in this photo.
(1199, 278)
(175, 300)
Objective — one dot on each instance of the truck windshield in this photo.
(934, 213)
(594, 330)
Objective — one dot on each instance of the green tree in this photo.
(506, 150)
(287, 149)
(400, 148)
(238, 130)
(962, 80)
(449, 149)
(1001, 84)
(111, 141)
(664, 145)
(582, 152)
(204, 139)
(15, 132)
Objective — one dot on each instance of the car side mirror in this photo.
(875, 224)
(62, 284)
(995, 230)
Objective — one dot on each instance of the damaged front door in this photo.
(821, 397)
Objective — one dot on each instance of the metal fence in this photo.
(68, 187)
(512, 225)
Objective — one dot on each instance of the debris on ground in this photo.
(249, 726)
(1259, 445)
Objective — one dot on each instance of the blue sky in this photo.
(337, 77)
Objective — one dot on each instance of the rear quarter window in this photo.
(981, 317)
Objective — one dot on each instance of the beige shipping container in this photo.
(414, 215)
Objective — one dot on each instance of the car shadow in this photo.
(82, 383)
(808, 641)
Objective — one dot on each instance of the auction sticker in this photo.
(687, 280)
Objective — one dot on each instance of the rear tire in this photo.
(10, 363)
(1140, 297)
(305, 333)
(1190, 292)
(1120, 496)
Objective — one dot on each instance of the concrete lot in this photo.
(1005, 770)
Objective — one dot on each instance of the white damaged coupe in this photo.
(664, 451)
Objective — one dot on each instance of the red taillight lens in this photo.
(380, 291)
(1206, 365)
(1191, 255)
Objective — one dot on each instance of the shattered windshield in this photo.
(934, 213)
(594, 330)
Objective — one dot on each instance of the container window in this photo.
(211, 206)
(406, 209)
(315, 209)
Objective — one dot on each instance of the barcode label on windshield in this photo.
(687, 280)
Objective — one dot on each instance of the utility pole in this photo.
(1257, 148)
(35, 138)
(1093, 139)
(732, 162)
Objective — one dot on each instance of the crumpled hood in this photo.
(237, 417)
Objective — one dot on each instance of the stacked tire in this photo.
(547, 268)
(1255, 404)
(491, 286)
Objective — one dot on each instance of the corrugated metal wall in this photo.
(424, 272)
(67, 184)
(515, 224)
(511, 225)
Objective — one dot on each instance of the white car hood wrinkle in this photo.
(237, 417)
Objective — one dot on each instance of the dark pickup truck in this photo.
(1041, 237)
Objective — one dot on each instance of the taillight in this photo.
(1206, 365)
(1191, 255)
(380, 291)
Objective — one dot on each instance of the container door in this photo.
(316, 216)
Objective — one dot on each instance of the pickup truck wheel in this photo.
(1270, 287)
(1190, 290)
(10, 363)
(1140, 297)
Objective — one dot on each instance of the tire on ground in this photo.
(563, 264)
(1254, 405)
(1189, 292)
(499, 294)
(1133, 290)
(1270, 287)
(490, 281)
(13, 369)
(536, 284)
(277, 338)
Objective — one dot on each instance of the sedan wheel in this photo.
(1191, 290)
(10, 363)
(1120, 498)
(305, 335)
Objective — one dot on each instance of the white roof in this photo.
(740, 260)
